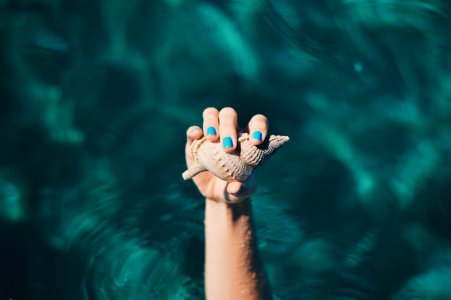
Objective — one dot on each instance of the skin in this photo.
(232, 266)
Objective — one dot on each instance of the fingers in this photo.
(224, 124)
(193, 133)
(228, 128)
(211, 123)
(238, 191)
(258, 129)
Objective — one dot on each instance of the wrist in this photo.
(223, 215)
(240, 206)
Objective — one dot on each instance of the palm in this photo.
(209, 185)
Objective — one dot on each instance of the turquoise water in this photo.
(95, 100)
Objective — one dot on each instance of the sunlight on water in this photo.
(95, 101)
(11, 203)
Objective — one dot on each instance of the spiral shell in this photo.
(236, 166)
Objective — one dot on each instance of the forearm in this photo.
(232, 267)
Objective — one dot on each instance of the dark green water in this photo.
(95, 99)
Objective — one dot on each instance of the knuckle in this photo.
(193, 133)
(193, 130)
(260, 118)
(226, 128)
(258, 123)
(209, 111)
(227, 111)
(189, 131)
(228, 118)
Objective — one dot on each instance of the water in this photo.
(95, 101)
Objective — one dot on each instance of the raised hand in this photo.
(222, 127)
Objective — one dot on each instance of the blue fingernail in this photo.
(227, 142)
(257, 135)
(211, 131)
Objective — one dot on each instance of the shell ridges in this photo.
(237, 166)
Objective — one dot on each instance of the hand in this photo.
(223, 127)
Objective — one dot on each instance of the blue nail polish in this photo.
(227, 142)
(257, 135)
(211, 131)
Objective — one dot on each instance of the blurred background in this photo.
(96, 97)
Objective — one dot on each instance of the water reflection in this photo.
(96, 98)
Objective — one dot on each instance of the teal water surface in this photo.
(96, 97)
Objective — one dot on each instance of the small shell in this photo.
(237, 166)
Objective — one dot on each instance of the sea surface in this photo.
(95, 100)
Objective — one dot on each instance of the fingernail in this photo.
(257, 135)
(227, 142)
(211, 131)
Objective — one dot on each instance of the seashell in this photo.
(236, 166)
